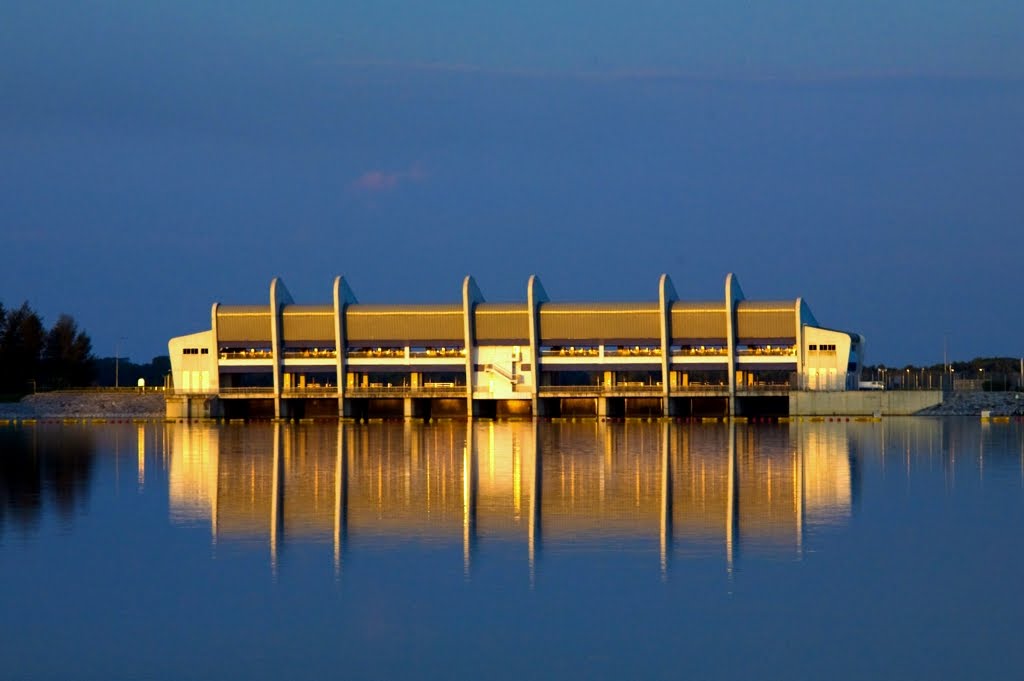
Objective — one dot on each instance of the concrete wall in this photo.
(492, 385)
(187, 407)
(862, 402)
(824, 370)
(201, 369)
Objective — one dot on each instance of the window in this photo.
(204, 351)
(813, 348)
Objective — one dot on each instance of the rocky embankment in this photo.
(85, 403)
(973, 403)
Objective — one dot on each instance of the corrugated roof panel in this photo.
(497, 322)
(308, 323)
(599, 322)
(243, 324)
(403, 324)
(765, 320)
(698, 321)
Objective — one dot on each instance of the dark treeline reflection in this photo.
(41, 467)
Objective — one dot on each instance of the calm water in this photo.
(512, 550)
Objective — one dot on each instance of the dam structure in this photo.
(538, 357)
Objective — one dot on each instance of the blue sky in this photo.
(156, 157)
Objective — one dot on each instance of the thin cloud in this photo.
(377, 181)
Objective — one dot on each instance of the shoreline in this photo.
(86, 404)
(151, 404)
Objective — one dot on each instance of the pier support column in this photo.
(408, 408)
(602, 407)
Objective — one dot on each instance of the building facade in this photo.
(538, 357)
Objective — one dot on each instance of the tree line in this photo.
(34, 357)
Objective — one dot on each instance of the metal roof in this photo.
(308, 323)
(496, 322)
(765, 320)
(243, 323)
(404, 324)
(697, 321)
(599, 322)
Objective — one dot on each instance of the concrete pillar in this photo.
(343, 297)
(408, 408)
(279, 297)
(471, 296)
(733, 294)
(602, 407)
(666, 295)
(535, 295)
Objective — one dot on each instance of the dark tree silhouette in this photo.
(67, 355)
(21, 344)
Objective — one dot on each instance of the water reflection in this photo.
(40, 467)
(688, 490)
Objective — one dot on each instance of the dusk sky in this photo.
(156, 157)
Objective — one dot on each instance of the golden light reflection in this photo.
(686, 489)
(141, 455)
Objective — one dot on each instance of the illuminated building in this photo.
(539, 357)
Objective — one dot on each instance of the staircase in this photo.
(504, 373)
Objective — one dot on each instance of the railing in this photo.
(767, 352)
(701, 388)
(602, 389)
(429, 389)
(570, 389)
(439, 353)
(222, 391)
(700, 352)
(570, 352)
(399, 353)
(636, 351)
(764, 387)
(310, 354)
(310, 391)
(384, 353)
(246, 354)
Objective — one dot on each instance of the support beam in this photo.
(733, 294)
(343, 297)
(535, 296)
(666, 295)
(279, 297)
(799, 336)
(471, 296)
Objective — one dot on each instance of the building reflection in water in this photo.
(689, 490)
